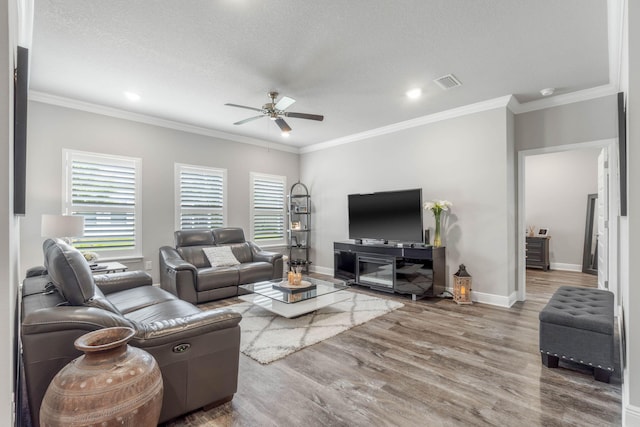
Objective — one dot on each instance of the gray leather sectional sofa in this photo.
(186, 272)
(197, 351)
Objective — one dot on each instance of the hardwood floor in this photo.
(430, 363)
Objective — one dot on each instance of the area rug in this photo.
(267, 337)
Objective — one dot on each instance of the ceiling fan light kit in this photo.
(276, 111)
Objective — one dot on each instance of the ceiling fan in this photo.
(275, 111)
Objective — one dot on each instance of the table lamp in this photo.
(63, 226)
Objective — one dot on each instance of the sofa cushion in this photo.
(252, 272)
(167, 310)
(134, 299)
(216, 277)
(242, 252)
(227, 235)
(69, 272)
(100, 301)
(202, 237)
(220, 256)
(194, 255)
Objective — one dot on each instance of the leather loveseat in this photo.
(186, 272)
(197, 351)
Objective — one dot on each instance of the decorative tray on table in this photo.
(285, 286)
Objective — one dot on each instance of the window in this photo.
(200, 197)
(105, 190)
(268, 209)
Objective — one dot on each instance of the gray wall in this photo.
(556, 189)
(9, 257)
(631, 247)
(52, 128)
(584, 121)
(465, 160)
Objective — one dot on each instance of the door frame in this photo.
(614, 210)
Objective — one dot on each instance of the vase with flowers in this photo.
(437, 207)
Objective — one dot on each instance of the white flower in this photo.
(90, 256)
(437, 206)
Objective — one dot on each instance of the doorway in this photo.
(607, 254)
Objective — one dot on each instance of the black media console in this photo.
(419, 270)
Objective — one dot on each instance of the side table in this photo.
(109, 267)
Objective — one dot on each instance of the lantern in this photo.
(462, 286)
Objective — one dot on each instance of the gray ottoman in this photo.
(577, 325)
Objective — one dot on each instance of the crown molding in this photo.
(408, 124)
(75, 104)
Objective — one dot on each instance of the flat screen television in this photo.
(389, 216)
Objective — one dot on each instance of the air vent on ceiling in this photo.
(447, 82)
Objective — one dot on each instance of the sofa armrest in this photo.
(182, 328)
(265, 256)
(70, 318)
(172, 259)
(177, 276)
(116, 282)
(274, 258)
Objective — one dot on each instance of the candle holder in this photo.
(462, 286)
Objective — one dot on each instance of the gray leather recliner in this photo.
(197, 351)
(186, 272)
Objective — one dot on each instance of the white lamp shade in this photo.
(62, 225)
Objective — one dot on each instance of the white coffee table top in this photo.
(326, 293)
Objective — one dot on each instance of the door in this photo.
(603, 220)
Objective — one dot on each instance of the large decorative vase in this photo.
(437, 242)
(112, 384)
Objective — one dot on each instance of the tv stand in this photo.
(418, 271)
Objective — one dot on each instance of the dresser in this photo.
(537, 252)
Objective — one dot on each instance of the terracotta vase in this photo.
(111, 384)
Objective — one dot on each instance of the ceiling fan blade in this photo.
(284, 103)
(241, 122)
(284, 127)
(244, 106)
(317, 117)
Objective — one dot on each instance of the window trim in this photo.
(68, 156)
(270, 242)
(178, 168)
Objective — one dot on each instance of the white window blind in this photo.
(200, 197)
(105, 190)
(268, 208)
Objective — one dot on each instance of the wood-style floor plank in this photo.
(429, 363)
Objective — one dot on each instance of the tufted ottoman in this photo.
(577, 325)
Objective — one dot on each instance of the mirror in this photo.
(590, 253)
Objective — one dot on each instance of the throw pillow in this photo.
(220, 256)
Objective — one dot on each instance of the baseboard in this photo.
(565, 267)
(491, 299)
(631, 416)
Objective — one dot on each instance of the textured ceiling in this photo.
(349, 60)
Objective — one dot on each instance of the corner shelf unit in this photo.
(299, 224)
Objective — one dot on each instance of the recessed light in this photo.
(285, 134)
(131, 96)
(547, 91)
(414, 93)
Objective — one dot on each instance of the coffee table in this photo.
(290, 305)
